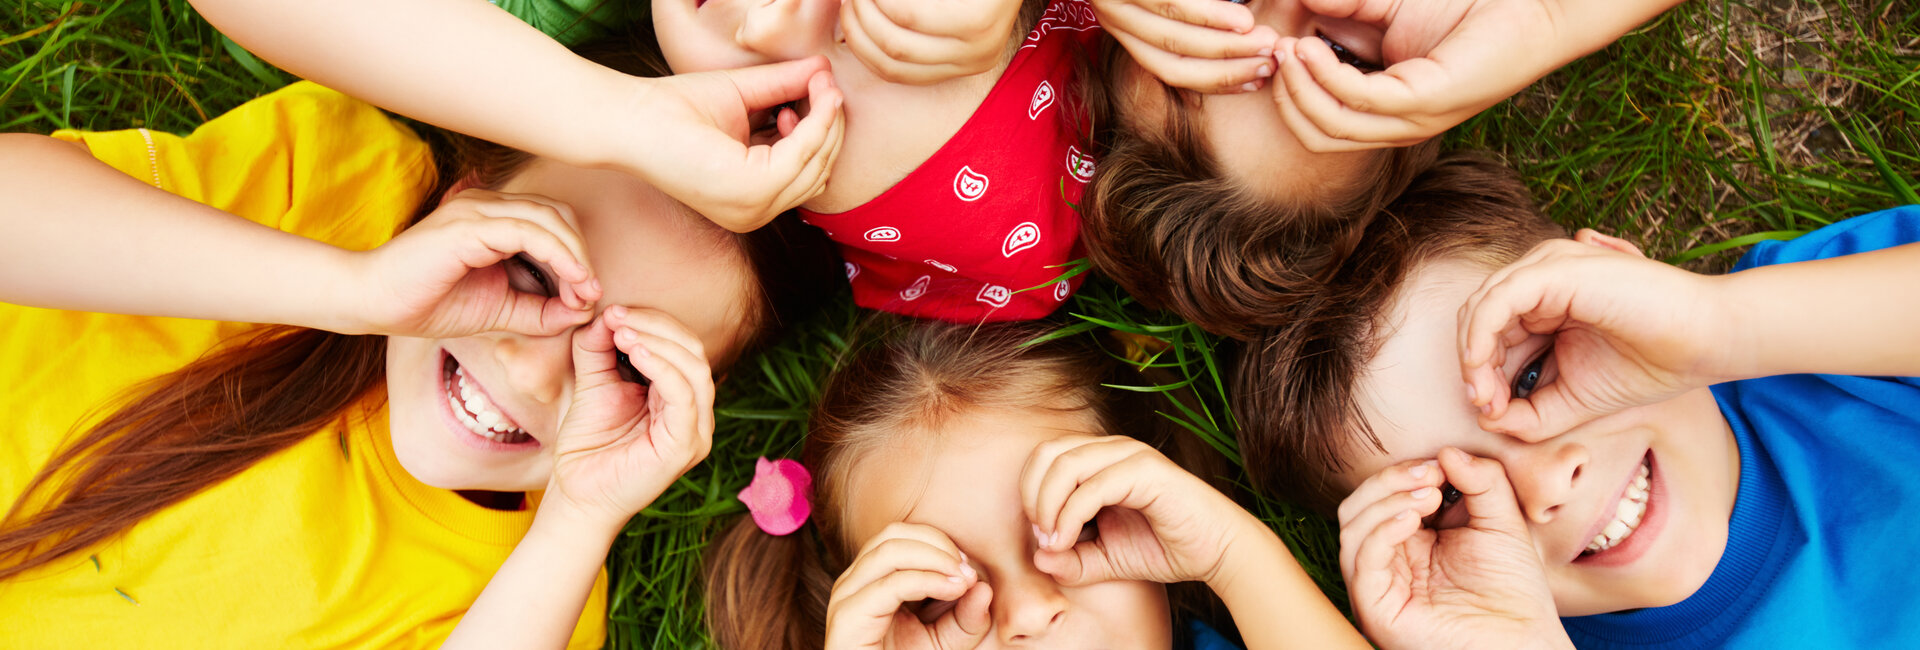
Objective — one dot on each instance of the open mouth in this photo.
(473, 409)
(1628, 513)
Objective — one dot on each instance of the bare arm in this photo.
(1850, 315)
(1273, 601)
(79, 234)
(459, 64)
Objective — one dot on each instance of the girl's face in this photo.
(647, 251)
(964, 480)
(1244, 131)
(1569, 487)
(702, 35)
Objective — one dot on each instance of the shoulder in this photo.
(1868, 232)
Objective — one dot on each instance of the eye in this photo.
(1238, 2)
(1347, 56)
(524, 275)
(1530, 375)
(1450, 515)
(624, 365)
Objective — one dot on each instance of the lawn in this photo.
(1719, 125)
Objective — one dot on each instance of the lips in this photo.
(1617, 539)
(474, 410)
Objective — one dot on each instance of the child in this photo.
(1647, 466)
(970, 490)
(1226, 208)
(547, 329)
(954, 194)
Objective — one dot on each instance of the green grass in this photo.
(1719, 125)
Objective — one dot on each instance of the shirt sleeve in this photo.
(1868, 232)
(304, 159)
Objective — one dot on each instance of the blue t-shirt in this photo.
(1822, 532)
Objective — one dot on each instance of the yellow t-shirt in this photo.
(329, 543)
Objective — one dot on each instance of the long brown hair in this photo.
(770, 592)
(1293, 386)
(188, 430)
(1165, 222)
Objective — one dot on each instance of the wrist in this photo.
(559, 514)
(612, 120)
(1248, 552)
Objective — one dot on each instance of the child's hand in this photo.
(1479, 585)
(928, 41)
(1113, 508)
(1204, 45)
(700, 145)
(621, 444)
(908, 563)
(1627, 331)
(1449, 60)
(450, 275)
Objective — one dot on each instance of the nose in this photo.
(538, 367)
(1544, 475)
(1027, 607)
(784, 30)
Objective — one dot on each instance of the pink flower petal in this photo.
(779, 496)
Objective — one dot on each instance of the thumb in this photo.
(1484, 490)
(767, 86)
(525, 313)
(969, 622)
(1550, 411)
(594, 363)
(1084, 564)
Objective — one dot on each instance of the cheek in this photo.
(422, 442)
(1126, 614)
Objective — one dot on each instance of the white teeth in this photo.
(472, 409)
(1627, 515)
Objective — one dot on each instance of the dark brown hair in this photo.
(1293, 386)
(1165, 222)
(770, 592)
(191, 429)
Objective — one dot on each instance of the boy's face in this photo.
(1572, 488)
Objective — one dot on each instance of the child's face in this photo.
(647, 252)
(1569, 487)
(964, 481)
(1245, 131)
(702, 35)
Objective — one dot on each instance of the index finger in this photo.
(1484, 490)
(1205, 13)
(766, 86)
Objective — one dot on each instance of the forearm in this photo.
(458, 64)
(534, 600)
(1852, 315)
(1273, 601)
(1585, 26)
(78, 234)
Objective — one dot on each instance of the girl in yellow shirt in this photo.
(351, 476)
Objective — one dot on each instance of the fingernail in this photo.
(1280, 56)
(1472, 393)
(1266, 51)
(1486, 409)
(1418, 471)
(1402, 515)
(1421, 493)
(956, 579)
(967, 572)
(1266, 70)
(1249, 87)
(1039, 538)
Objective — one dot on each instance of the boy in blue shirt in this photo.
(1540, 441)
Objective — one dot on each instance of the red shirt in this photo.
(984, 229)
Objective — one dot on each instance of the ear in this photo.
(1594, 238)
(465, 182)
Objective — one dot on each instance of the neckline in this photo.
(370, 431)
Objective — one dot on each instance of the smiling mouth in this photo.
(473, 409)
(1627, 515)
